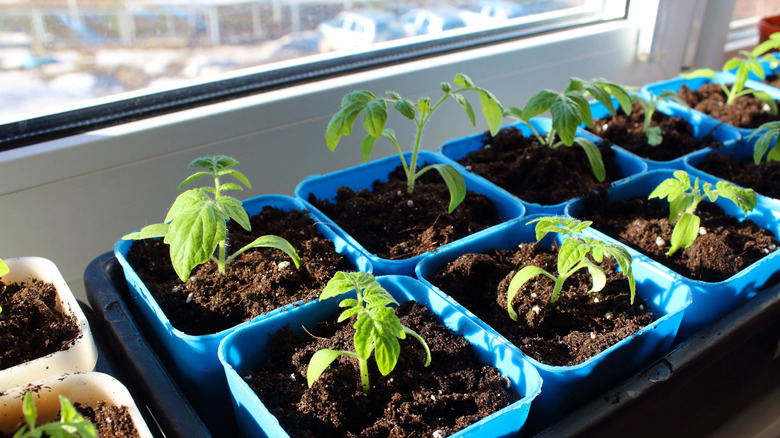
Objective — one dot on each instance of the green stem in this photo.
(364, 374)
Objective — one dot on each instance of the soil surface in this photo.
(628, 132)
(724, 247)
(745, 112)
(773, 80)
(535, 173)
(256, 282)
(395, 225)
(31, 324)
(568, 332)
(454, 391)
(109, 421)
(764, 178)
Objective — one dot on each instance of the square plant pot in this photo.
(247, 348)
(694, 84)
(192, 359)
(701, 126)
(711, 300)
(81, 355)
(81, 388)
(457, 149)
(324, 187)
(567, 387)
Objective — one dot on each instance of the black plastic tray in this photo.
(693, 391)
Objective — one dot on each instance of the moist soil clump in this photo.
(745, 112)
(256, 282)
(535, 173)
(568, 332)
(724, 246)
(109, 420)
(31, 324)
(454, 391)
(628, 132)
(764, 178)
(393, 224)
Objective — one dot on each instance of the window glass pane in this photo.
(755, 8)
(61, 55)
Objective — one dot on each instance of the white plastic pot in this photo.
(80, 356)
(84, 388)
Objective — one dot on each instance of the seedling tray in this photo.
(693, 391)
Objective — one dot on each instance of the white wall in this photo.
(69, 200)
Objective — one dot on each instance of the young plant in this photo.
(196, 224)
(3, 268)
(71, 423)
(769, 137)
(572, 256)
(569, 110)
(684, 198)
(748, 62)
(653, 133)
(377, 328)
(375, 110)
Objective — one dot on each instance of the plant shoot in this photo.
(375, 111)
(569, 110)
(377, 328)
(768, 139)
(71, 423)
(683, 199)
(653, 133)
(572, 256)
(196, 224)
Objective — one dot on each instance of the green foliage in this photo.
(653, 133)
(683, 199)
(3, 268)
(572, 256)
(744, 64)
(769, 138)
(375, 111)
(569, 110)
(196, 223)
(71, 423)
(377, 328)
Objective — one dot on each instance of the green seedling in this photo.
(569, 110)
(684, 198)
(653, 133)
(375, 111)
(196, 223)
(768, 138)
(377, 328)
(3, 268)
(71, 423)
(744, 64)
(572, 256)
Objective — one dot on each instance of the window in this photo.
(73, 65)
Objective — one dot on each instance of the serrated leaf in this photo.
(367, 147)
(566, 117)
(343, 282)
(234, 210)
(466, 107)
(363, 339)
(341, 123)
(622, 94)
(405, 107)
(375, 117)
(740, 77)
(539, 104)
(148, 232)
(491, 110)
(376, 296)
(571, 252)
(193, 237)
(594, 158)
(462, 80)
(732, 63)
(745, 199)
(654, 135)
(513, 112)
(599, 93)
(386, 352)
(393, 95)
(193, 177)
(517, 282)
(319, 362)
(237, 175)
(455, 184)
(358, 96)
(230, 186)
(685, 232)
(348, 313)
(185, 202)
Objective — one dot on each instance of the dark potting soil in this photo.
(568, 332)
(773, 80)
(31, 324)
(724, 247)
(395, 225)
(536, 173)
(628, 132)
(256, 282)
(764, 178)
(109, 421)
(454, 391)
(745, 112)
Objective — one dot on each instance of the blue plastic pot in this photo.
(694, 84)
(360, 177)
(247, 348)
(701, 125)
(566, 387)
(739, 151)
(711, 300)
(193, 359)
(456, 149)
